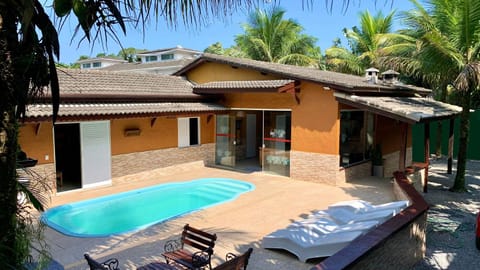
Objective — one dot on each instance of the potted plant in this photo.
(377, 161)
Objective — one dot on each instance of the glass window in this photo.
(356, 136)
(151, 58)
(86, 65)
(167, 56)
(97, 64)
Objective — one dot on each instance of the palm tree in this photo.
(442, 46)
(269, 37)
(366, 44)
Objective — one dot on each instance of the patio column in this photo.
(403, 146)
(450, 146)
(426, 155)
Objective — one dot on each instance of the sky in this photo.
(316, 20)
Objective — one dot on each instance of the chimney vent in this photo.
(390, 76)
(371, 75)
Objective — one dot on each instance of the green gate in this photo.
(473, 144)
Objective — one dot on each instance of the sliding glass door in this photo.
(277, 142)
(225, 140)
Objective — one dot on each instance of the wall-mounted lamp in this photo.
(131, 132)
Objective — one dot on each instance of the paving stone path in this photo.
(451, 219)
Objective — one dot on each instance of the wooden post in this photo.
(426, 155)
(403, 147)
(450, 146)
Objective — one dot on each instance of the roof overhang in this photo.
(255, 86)
(406, 109)
(43, 112)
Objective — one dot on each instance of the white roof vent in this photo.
(371, 75)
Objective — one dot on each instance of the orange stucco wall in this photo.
(163, 134)
(389, 134)
(315, 121)
(37, 145)
(208, 72)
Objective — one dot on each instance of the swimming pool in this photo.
(138, 209)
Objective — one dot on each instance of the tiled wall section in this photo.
(313, 167)
(392, 160)
(355, 172)
(46, 173)
(143, 161)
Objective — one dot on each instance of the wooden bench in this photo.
(193, 250)
(232, 262)
(110, 264)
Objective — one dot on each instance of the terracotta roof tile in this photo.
(76, 82)
(344, 81)
(244, 84)
(45, 110)
(408, 109)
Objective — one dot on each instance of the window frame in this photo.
(151, 58)
(167, 56)
(185, 131)
(365, 139)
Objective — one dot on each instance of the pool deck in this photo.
(239, 224)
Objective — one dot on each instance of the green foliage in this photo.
(62, 7)
(130, 54)
(269, 37)
(366, 44)
(215, 48)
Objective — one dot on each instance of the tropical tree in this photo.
(269, 37)
(215, 48)
(442, 46)
(365, 44)
(130, 54)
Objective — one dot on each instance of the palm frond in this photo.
(469, 78)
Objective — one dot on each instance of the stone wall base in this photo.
(391, 162)
(132, 163)
(314, 167)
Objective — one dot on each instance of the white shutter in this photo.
(183, 132)
(96, 153)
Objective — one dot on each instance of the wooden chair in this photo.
(193, 250)
(234, 262)
(110, 264)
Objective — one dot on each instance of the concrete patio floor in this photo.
(239, 224)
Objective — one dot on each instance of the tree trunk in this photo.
(438, 143)
(459, 184)
(9, 258)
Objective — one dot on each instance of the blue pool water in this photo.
(138, 209)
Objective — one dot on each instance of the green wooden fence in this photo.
(474, 138)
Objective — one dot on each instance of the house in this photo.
(299, 122)
(164, 61)
(310, 124)
(99, 62)
(112, 124)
